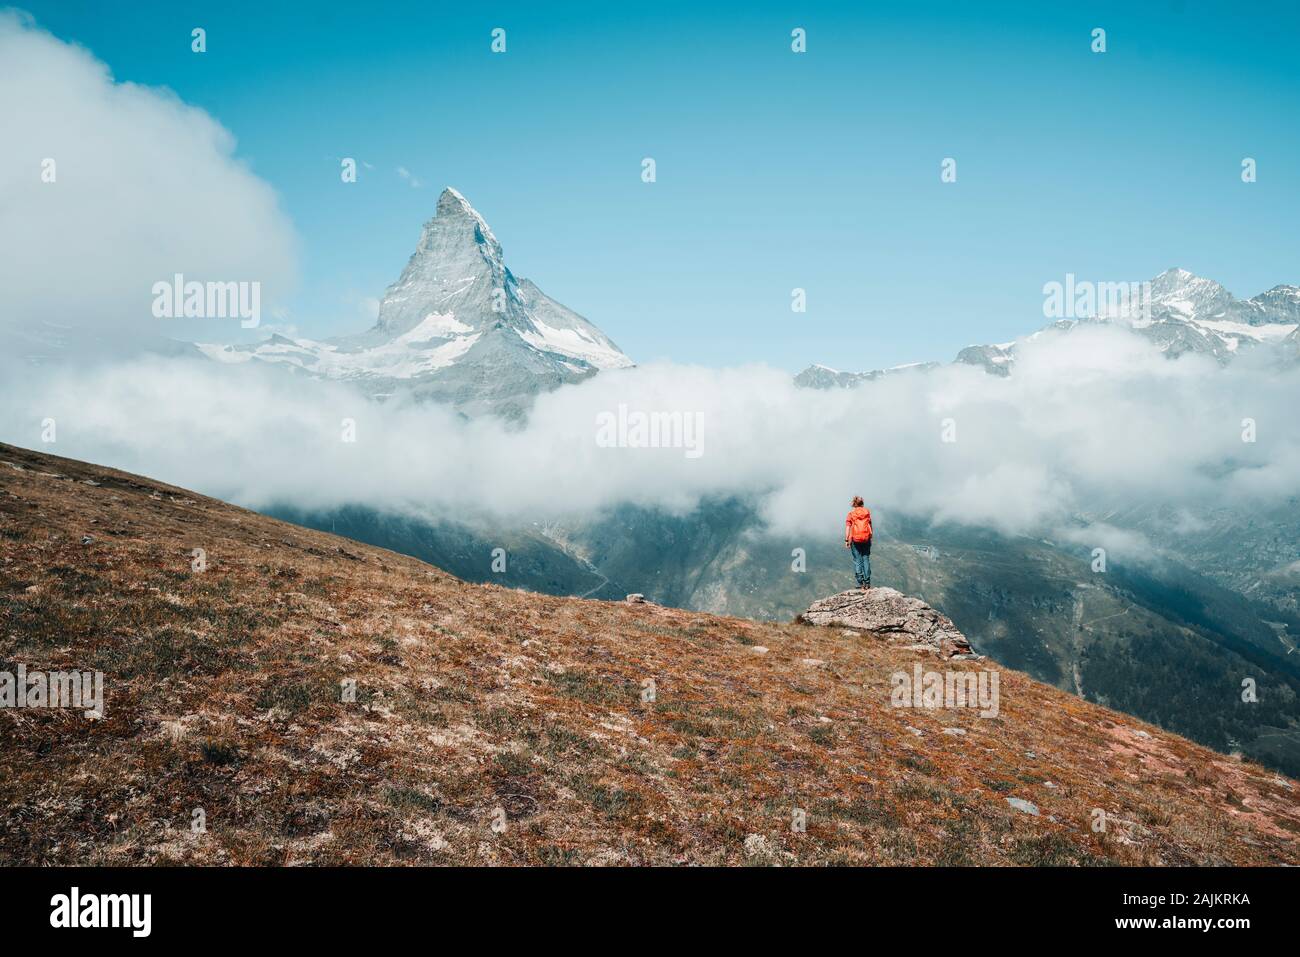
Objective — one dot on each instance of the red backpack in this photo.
(859, 522)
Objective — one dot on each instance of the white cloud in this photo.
(1119, 543)
(145, 187)
(1092, 417)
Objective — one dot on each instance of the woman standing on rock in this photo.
(857, 539)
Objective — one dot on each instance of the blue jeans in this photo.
(861, 562)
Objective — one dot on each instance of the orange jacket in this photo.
(857, 527)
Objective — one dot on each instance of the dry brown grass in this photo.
(223, 693)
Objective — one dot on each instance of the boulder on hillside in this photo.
(890, 613)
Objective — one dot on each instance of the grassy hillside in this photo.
(479, 706)
(1155, 639)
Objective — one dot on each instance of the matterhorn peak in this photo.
(456, 226)
(453, 205)
(452, 197)
(457, 326)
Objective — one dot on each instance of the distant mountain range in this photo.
(457, 327)
(1183, 313)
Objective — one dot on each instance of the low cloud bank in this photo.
(1090, 419)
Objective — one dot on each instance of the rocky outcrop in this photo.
(891, 614)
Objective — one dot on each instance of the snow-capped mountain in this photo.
(457, 326)
(1192, 314)
(824, 377)
(1182, 313)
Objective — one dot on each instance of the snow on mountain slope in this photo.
(1185, 313)
(456, 326)
(434, 344)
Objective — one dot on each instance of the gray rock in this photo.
(884, 611)
(1023, 806)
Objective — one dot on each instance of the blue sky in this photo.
(775, 170)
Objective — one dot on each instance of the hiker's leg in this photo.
(866, 568)
(861, 566)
